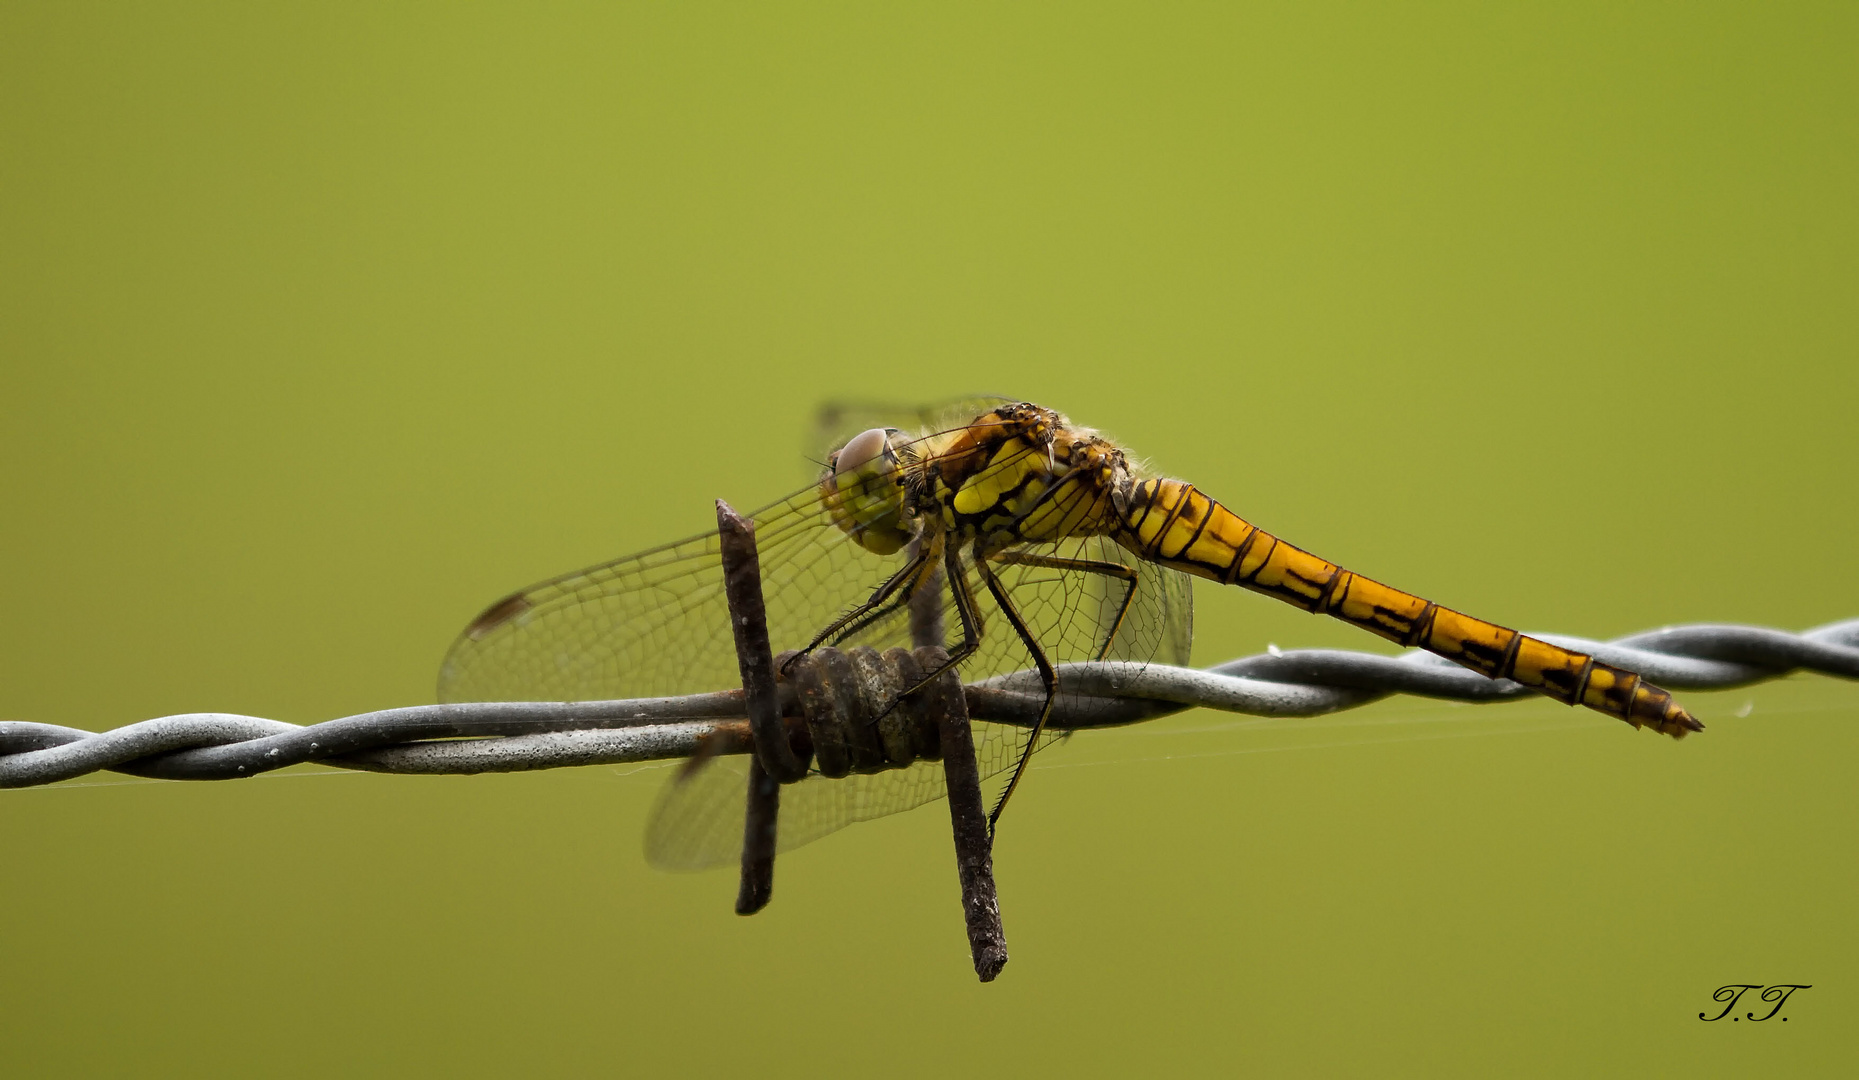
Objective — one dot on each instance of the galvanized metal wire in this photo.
(519, 736)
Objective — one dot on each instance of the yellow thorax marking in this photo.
(1071, 512)
(1012, 462)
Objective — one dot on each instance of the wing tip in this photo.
(497, 615)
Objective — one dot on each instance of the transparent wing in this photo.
(656, 624)
(698, 820)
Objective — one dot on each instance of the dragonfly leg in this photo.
(1047, 675)
(964, 597)
(1126, 574)
(1110, 569)
(898, 600)
(894, 593)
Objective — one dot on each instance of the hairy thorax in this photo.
(1018, 475)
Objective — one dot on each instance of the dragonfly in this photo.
(1036, 542)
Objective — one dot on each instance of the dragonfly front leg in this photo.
(891, 596)
(970, 616)
(888, 597)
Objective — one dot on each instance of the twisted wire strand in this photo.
(519, 736)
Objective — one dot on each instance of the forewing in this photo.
(656, 623)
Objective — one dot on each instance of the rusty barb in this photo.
(818, 718)
(860, 711)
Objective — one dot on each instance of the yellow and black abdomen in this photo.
(1172, 523)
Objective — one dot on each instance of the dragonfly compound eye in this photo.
(865, 492)
(861, 450)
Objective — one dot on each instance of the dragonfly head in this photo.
(864, 491)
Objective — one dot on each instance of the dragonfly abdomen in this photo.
(1173, 523)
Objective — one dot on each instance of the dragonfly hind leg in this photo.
(1125, 574)
(1048, 676)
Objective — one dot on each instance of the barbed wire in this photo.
(520, 736)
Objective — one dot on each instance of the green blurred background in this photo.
(321, 328)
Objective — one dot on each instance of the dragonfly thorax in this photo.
(1030, 478)
(1017, 475)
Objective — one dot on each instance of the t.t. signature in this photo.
(1731, 994)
